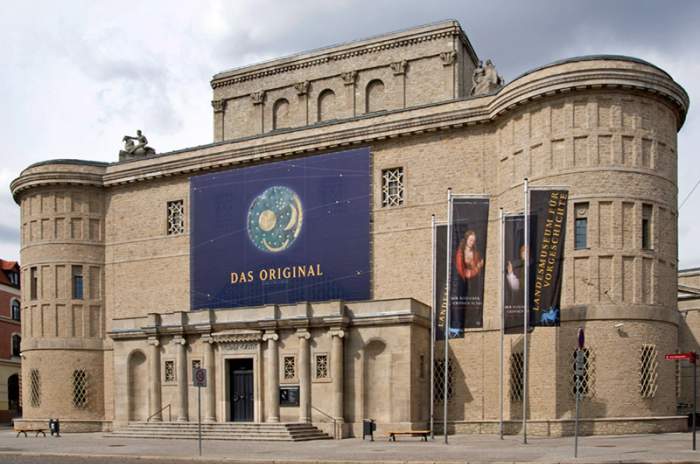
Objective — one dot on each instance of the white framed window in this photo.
(322, 367)
(34, 388)
(392, 187)
(517, 381)
(648, 371)
(80, 388)
(169, 371)
(15, 310)
(439, 380)
(176, 217)
(289, 368)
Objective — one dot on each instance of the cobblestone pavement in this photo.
(96, 447)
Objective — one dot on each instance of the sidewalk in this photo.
(462, 448)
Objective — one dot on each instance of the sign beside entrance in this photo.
(289, 396)
(199, 377)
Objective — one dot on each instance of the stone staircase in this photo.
(221, 431)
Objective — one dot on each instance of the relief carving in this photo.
(302, 88)
(485, 79)
(218, 105)
(448, 58)
(349, 77)
(258, 97)
(399, 67)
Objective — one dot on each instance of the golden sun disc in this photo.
(267, 220)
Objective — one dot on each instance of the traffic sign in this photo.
(690, 356)
(200, 377)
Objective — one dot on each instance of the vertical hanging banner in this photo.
(548, 209)
(514, 255)
(470, 217)
(440, 303)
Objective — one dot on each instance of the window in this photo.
(14, 278)
(322, 369)
(439, 380)
(34, 388)
(176, 217)
(648, 374)
(80, 388)
(517, 380)
(77, 282)
(375, 96)
(581, 226)
(280, 114)
(326, 105)
(169, 371)
(392, 187)
(289, 368)
(16, 344)
(15, 310)
(34, 284)
(585, 385)
(646, 227)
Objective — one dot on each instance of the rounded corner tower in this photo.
(63, 331)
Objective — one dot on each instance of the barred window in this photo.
(392, 187)
(322, 371)
(439, 380)
(648, 371)
(289, 365)
(587, 380)
(34, 388)
(517, 381)
(80, 388)
(169, 371)
(176, 217)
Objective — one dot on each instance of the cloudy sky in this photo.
(78, 75)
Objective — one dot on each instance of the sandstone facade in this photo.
(604, 126)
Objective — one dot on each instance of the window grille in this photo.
(587, 380)
(80, 388)
(517, 370)
(176, 217)
(392, 187)
(290, 368)
(34, 388)
(322, 371)
(169, 371)
(439, 380)
(648, 371)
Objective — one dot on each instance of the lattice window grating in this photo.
(587, 381)
(392, 187)
(169, 371)
(34, 388)
(648, 371)
(517, 370)
(176, 217)
(439, 380)
(80, 388)
(289, 365)
(322, 366)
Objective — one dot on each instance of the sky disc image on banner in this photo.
(548, 209)
(281, 232)
(468, 247)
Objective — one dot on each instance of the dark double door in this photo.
(241, 389)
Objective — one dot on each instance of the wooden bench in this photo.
(24, 431)
(409, 433)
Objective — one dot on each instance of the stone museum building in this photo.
(292, 256)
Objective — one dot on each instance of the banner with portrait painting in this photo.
(440, 276)
(470, 217)
(514, 256)
(547, 234)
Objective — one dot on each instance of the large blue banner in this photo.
(282, 232)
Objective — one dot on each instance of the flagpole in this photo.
(503, 325)
(526, 307)
(446, 362)
(432, 332)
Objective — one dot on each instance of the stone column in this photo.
(337, 378)
(154, 380)
(210, 392)
(304, 376)
(183, 414)
(272, 376)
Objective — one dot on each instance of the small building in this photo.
(10, 340)
(292, 256)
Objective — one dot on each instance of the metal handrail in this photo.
(167, 406)
(335, 421)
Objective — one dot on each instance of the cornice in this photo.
(47, 178)
(557, 79)
(407, 38)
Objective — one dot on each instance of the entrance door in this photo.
(241, 389)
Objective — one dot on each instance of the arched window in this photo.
(374, 96)
(326, 105)
(280, 114)
(16, 344)
(15, 309)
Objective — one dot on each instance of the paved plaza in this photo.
(96, 447)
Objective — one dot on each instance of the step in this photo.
(248, 431)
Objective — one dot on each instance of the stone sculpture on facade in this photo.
(485, 79)
(135, 150)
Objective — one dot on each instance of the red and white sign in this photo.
(690, 356)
